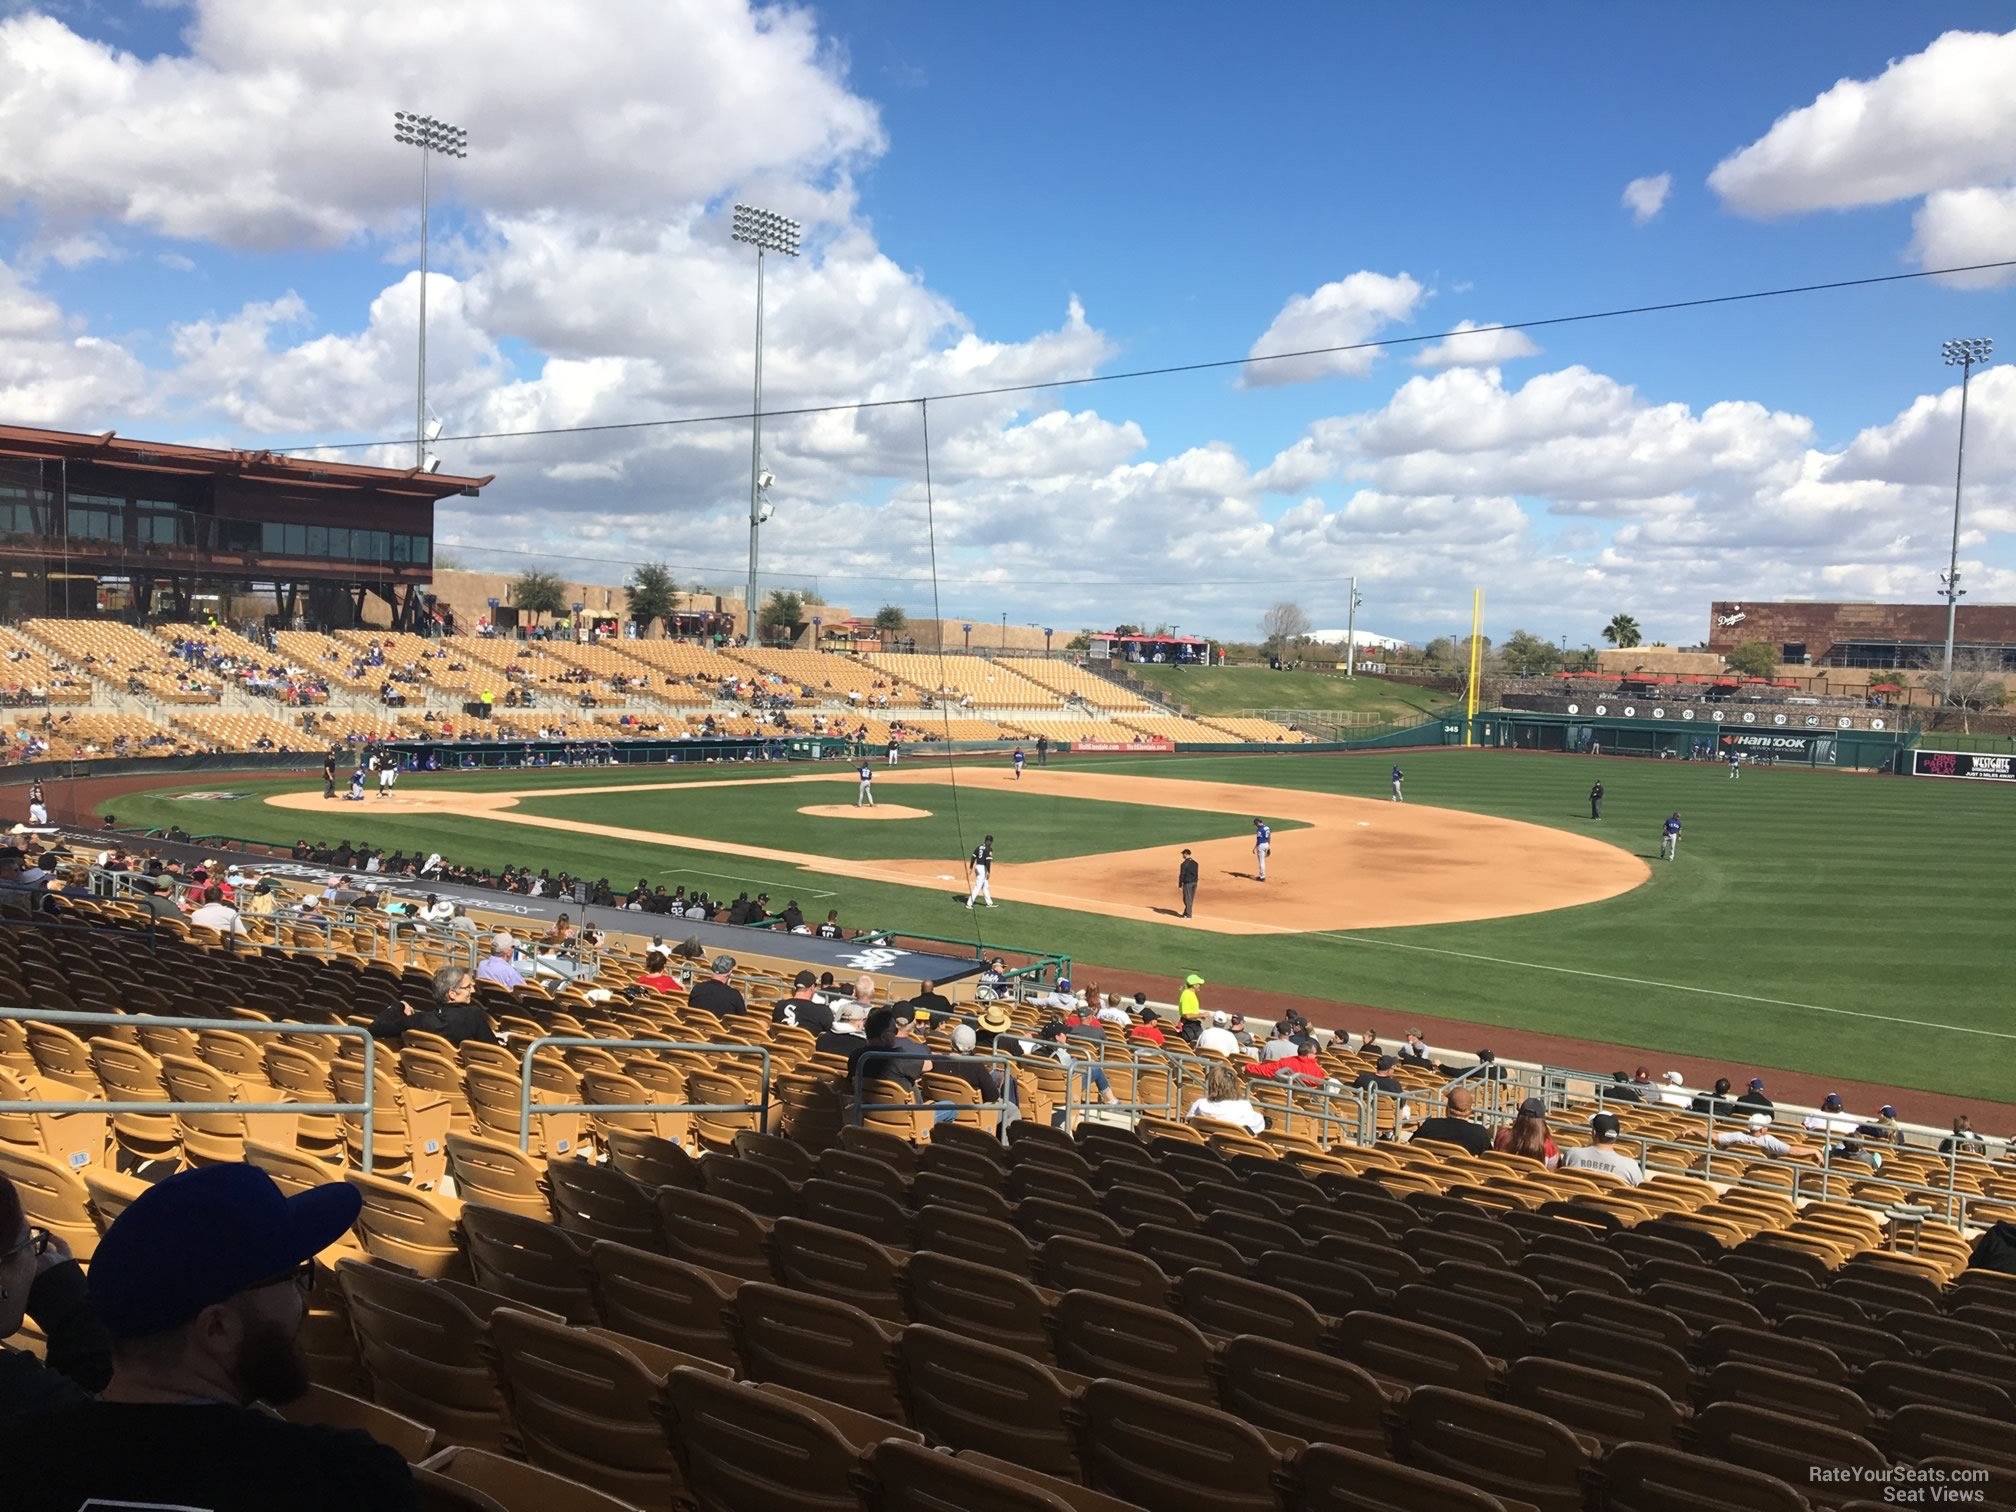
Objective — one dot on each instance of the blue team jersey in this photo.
(1019, 758)
(867, 772)
(1262, 835)
(1398, 774)
(1672, 826)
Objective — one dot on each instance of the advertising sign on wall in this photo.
(1980, 766)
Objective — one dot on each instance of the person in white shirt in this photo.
(1217, 1037)
(1833, 1118)
(1756, 1136)
(214, 913)
(438, 910)
(1673, 1091)
(1226, 1101)
(1604, 1155)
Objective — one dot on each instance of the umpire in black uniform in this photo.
(1186, 881)
(1596, 801)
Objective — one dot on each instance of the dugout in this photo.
(480, 755)
(1699, 734)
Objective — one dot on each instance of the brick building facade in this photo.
(1861, 635)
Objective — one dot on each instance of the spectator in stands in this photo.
(200, 1282)
(1226, 1101)
(1756, 1135)
(1753, 1096)
(1188, 1004)
(453, 1014)
(1217, 1038)
(1415, 1051)
(1603, 1155)
(1527, 1135)
(1718, 1102)
(656, 977)
(1833, 1117)
(1620, 1089)
(930, 1000)
(214, 913)
(882, 1053)
(717, 993)
(1380, 1078)
(1289, 1061)
(849, 1025)
(1050, 1041)
(804, 1008)
(1673, 1090)
(988, 1081)
(1455, 1125)
(497, 965)
(1962, 1141)
(39, 1280)
(1147, 1029)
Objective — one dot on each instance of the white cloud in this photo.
(1344, 313)
(175, 262)
(1467, 346)
(1646, 197)
(51, 372)
(1939, 125)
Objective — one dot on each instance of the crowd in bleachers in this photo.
(1203, 1292)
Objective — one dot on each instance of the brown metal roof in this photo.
(113, 450)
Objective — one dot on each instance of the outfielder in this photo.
(866, 797)
(1669, 837)
(38, 810)
(982, 864)
(1263, 842)
(1398, 778)
(1735, 763)
(1019, 760)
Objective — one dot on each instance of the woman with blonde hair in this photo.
(1225, 1100)
(1528, 1135)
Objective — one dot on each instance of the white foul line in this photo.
(690, 871)
(1604, 976)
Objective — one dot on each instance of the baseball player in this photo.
(357, 785)
(982, 864)
(38, 809)
(1020, 759)
(1398, 778)
(388, 773)
(1735, 763)
(1596, 801)
(1669, 837)
(866, 797)
(895, 748)
(1263, 842)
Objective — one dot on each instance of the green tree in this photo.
(537, 592)
(1974, 687)
(1082, 641)
(1440, 650)
(1754, 658)
(782, 613)
(1527, 655)
(891, 620)
(651, 593)
(1622, 632)
(1126, 629)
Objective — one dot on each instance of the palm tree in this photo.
(652, 594)
(1622, 632)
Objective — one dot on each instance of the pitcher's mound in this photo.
(849, 811)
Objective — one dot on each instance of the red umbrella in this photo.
(1728, 682)
(1885, 688)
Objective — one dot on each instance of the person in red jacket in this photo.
(1288, 1060)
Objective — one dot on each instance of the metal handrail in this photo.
(236, 1026)
(933, 1059)
(533, 1047)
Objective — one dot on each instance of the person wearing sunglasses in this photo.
(202, 1283)
(39, 1280)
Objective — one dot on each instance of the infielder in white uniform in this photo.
(866, 797)
(1263, 842)
(388, 773)
(983, 864)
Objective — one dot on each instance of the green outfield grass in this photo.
(1233, 690)
(1832, 922)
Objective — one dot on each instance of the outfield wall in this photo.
(1778, 739)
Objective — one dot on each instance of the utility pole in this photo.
(1351, 631)
(1965, 355)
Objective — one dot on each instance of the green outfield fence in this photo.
(1770, 737)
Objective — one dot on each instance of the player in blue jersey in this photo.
(1019, 760)
(1263, 842)
(1669, 837)
(1398, 778)
(866, 797)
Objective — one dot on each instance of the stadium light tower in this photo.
(430, 136)
(766, 231)
(1964, 354)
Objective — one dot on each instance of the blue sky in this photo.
(213, 204)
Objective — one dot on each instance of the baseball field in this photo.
(1846, 924)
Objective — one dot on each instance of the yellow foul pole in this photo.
(1470, 702)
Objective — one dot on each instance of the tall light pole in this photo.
(766, 231)
(1963, 354)
(1351, 630)
(430, 136)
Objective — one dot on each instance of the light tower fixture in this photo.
(411, 129)
(1966, 354)
(766, 231)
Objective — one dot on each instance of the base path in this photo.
(1362, 863)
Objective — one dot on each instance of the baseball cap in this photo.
(1756, 1084)
(1605, 1126)
(1193, 980)
(1221, 1020)
(1760, 1120)
(206, 1234)
(723, 964)
(1886, 1111)
(804, 979)
(1063, 984)
(1533, 1108)
(1386, 1063)
(1673, 1079)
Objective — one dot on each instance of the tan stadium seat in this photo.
(713, 1234)
(1411, 1354)
(1791, 1448)
(832, 1263)
(818, 1346)
(536, 1264)
(322, 1407)
(581, 1404)
(1168, 1451)
(488, 1482)
(53, 1197)
(1608, 1406)
(1648, 1478)
(600, 1202)
(421, 1344)
(912, 1479)
(973, 1395)
(665, 1301)
(409, 1130)
(760, 1188)
(128, 1073)
(419, 1230)
(1067, 1262)
(1150, 1347)
(1755, 1385)
(498, 1174)
(1304, 1393)
(652, 1162)
(870, 1213)
(745, 1450)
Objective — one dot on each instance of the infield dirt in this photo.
(1361, 863)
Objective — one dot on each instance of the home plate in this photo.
(1364, 824)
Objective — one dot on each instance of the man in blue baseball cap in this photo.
(202, 1283)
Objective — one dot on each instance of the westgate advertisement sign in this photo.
(1980, 766)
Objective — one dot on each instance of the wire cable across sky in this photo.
(1216, 363)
